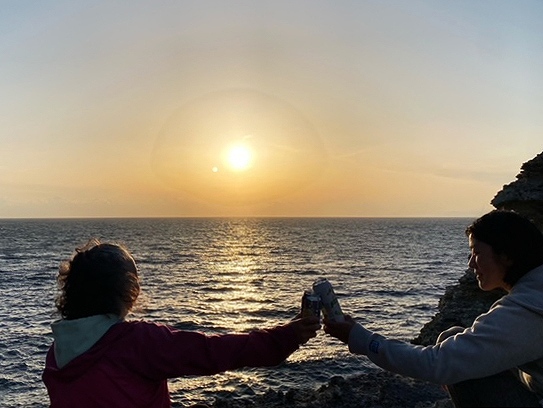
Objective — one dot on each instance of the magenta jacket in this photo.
(130, 364)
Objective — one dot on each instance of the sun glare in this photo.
(239, 157)
(237, 147)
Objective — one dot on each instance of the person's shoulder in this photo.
(132, 332)
(527, 292)
(145, 327)
(142, 325)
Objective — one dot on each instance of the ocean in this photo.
(221, 275)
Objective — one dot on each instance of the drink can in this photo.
(330, 303)
(311, 304)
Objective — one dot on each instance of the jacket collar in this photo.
(74, 337)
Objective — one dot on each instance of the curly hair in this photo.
(512, 235)
(101, 278)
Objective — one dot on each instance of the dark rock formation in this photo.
(462, 303)
(525, 195)
(459, 306)
(376, 389)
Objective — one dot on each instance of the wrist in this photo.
(359, 339)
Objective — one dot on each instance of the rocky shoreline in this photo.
(375, 389)
(459, 306)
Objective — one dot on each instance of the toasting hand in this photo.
(305, 328)
(339, 330)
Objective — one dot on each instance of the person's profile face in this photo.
(489, 267)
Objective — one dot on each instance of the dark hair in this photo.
(101, 278)
(512, 235)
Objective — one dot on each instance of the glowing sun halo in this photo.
(239, 157)
(256, 149)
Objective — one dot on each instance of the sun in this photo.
(239, 157)
(237, 148)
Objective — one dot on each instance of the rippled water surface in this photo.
(226, 275)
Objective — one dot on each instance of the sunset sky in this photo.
(266, 108)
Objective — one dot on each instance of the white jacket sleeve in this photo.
(505, 337)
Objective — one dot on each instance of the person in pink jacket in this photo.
(98, 359)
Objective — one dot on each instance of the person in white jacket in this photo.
(498, 361)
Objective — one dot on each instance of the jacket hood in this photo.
(527, 291)
(72, 338)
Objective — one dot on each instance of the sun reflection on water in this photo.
(235, 263)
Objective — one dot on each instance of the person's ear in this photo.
(505, 260)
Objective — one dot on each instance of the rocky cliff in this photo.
(463, 302)
(525, 194)
(459, 306)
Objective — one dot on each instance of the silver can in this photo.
(330, 303)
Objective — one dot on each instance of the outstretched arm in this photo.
(166, 353)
